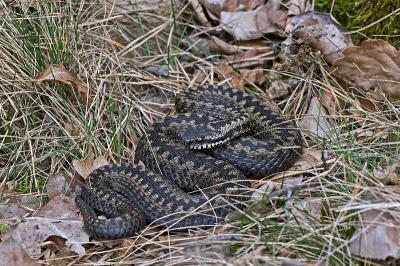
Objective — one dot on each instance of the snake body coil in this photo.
(182, 187)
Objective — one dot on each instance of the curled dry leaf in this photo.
(376, 64)
(54, 72)
(199, 13)
(322, 32)
(237, 5)
(89, 164)
(59, 73)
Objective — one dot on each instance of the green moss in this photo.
(356, 14)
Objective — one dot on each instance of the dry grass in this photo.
(112, 46)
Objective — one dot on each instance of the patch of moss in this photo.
(356, 14)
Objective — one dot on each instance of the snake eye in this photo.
(199, 140)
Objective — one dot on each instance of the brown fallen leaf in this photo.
(9, 188)
(317, 121)
(89, 164)
(233, 5)
(82, 91)
(388, 174)
(64, 183)
(59, 218)
(225, 71)
(376, 64)
(333, 103)
(377, 234)
(199, 13)
(18, 210)
(308, 160)
(322, 32)
(253, 24)
(13, 254)
(60, 207)
(59, 73)
(307, 210)
(55, 73)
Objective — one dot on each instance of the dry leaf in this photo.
(60, 207)
(18, 210)
(388, 173)
(312, 208)
(225, 71)
(316, 120)
(36, 230)
(82, 91)
(253, 24)
(10, 185)
(65, 183)
(13, 254)
(199, 13)
(322, 32)
(377, 235)
(278, 89)
(54, 72)
(333, 103)
(376, 64)
(60, 74)
(89, 164)
(236, 5)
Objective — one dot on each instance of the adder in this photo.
(196, 163)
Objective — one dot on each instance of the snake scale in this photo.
(196, 165)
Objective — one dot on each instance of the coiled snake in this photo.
(182, 187)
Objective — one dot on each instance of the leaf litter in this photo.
(319, 39)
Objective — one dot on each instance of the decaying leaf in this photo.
(308, 160)
(253, 24)
(18, 210)
(199, 13)
(13, 254)
(64, 183)
(376, 64)
(36, 230)
(377, 235)
(89, 164)
(323, 32)
(316, 120)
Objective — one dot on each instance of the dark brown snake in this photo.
(192, 161)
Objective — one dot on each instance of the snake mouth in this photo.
(203, 146)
